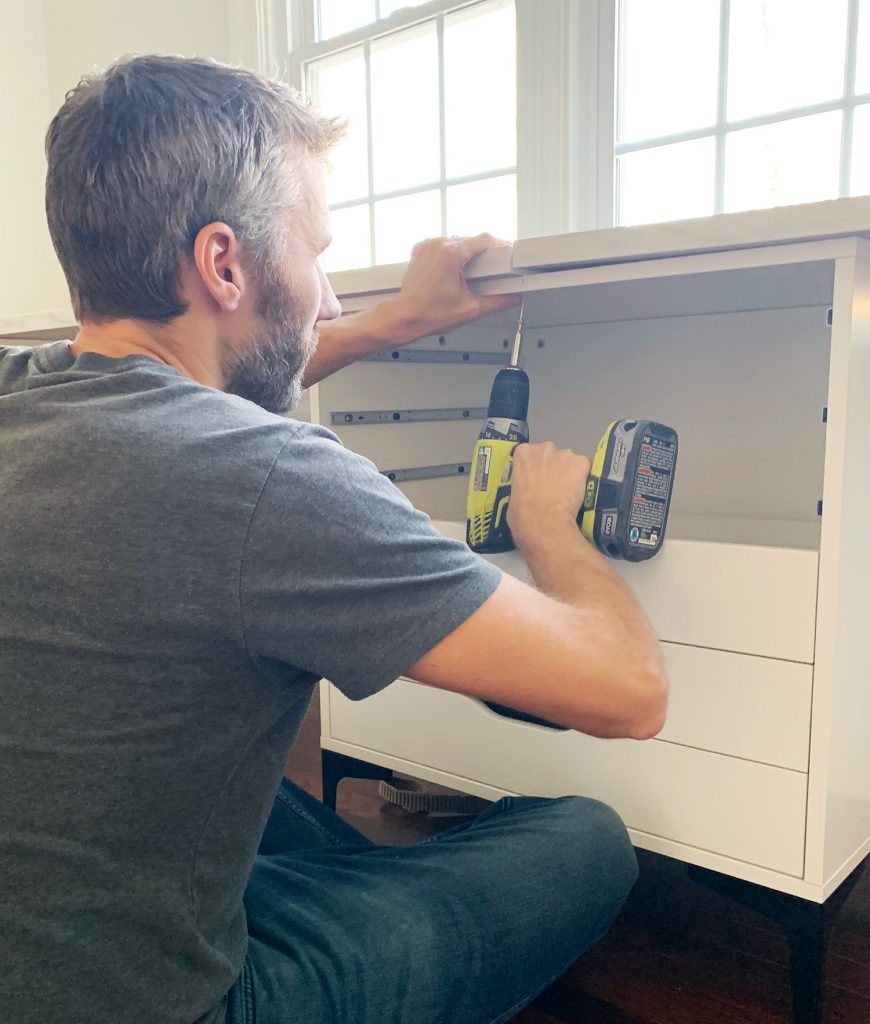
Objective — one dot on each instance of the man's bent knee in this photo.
(599, 856)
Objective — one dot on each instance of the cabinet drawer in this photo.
(741, 809)
(754, 708)
(731, 597)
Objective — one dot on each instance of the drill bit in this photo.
(515, 354)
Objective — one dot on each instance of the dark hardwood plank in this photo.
(565, 1004)
(535, 1015)
(678, 982)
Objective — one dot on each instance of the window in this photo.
(534, 117)
(419, 158)
(335, 17)
(727, 105)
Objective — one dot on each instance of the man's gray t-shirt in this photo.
(177, 569)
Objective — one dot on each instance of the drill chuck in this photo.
(509, 398)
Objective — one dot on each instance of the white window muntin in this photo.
(364, 39)
(718, 131)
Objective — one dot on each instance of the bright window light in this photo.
(480, 84)
(386, 7)
(405, 120)
(785, 53)
(486, 205)
(860, 183)
(335, 17)
(401, 222)
(667, 85)
(431, 147)
(862, 70)
(795, 161)
(758, 116)
(338, 88)
(351, 234)
(667, 182)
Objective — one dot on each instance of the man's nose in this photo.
(330, 307)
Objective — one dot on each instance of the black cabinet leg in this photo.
(335, 767)
(807, 927)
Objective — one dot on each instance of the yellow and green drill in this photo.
(628, 493)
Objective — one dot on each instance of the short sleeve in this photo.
(342, 577)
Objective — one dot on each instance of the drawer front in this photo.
(748, 811)
(754, 708)
(730, 597)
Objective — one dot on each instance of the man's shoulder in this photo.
(225, 441)
(14, 363)
(235, 422)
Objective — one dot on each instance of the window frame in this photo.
(366, 37)
(567, 94)
(722, 128)
(565, 89)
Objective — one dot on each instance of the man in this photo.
(181, 565)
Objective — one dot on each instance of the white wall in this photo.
(30, 279)
(81, 35)
(45, 47)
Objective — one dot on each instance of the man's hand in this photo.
(434, 298)
(547, 485)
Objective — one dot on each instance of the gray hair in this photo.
(145, 154)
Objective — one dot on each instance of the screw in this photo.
(395, 355)
(442, 340)
(348, 418)
(540, 342)
(465, 357)
(465, 414)
(460, 469)
(505, 343)
(397, 415)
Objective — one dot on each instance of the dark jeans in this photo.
(464, 928)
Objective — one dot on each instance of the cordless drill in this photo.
(628, 493)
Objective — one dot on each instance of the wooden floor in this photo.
(679, 954)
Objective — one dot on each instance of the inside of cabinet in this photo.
(736, 362)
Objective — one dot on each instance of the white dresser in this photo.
(750, 334)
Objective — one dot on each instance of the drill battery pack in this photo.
(628, 494)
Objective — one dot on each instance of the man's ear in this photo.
(217, 259)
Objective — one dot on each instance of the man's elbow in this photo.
(652, 706)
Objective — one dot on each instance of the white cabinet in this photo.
(739, 331)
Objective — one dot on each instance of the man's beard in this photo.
(270, 367)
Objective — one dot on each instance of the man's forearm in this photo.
(352, 337)
(565, 566)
